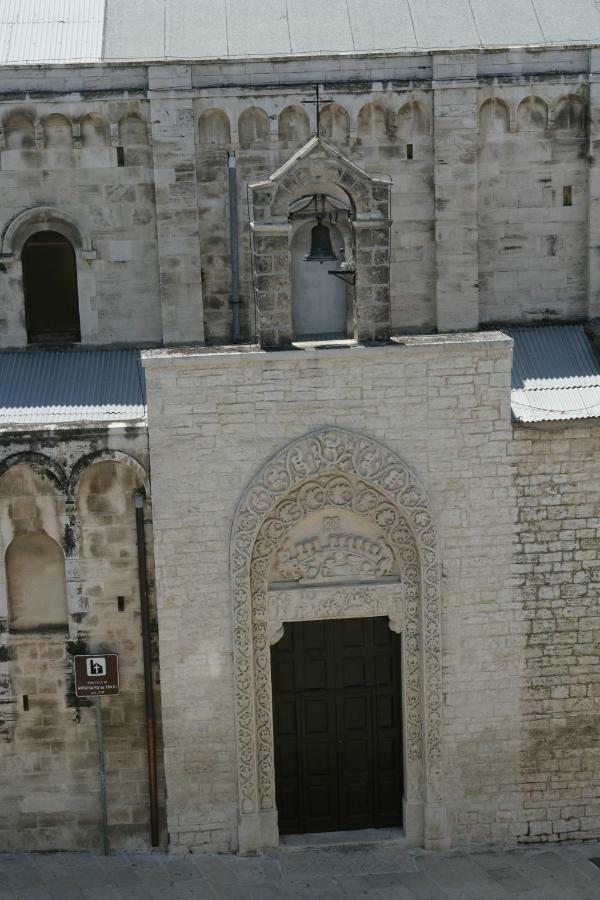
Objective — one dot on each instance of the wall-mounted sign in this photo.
(96, 674)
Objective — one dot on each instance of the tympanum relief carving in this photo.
(334, 548)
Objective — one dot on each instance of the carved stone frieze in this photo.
(326, 471)
(335, 555)
(339, 602)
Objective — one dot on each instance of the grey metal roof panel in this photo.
(555, 374)
(49, 387)
(553, 356)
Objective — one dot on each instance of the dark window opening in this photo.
(50, 285)
(409, 151)
(567, 195)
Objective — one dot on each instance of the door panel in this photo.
(337, 725)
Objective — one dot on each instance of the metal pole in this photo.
(234, 249)
(148, 690)
(100, 730)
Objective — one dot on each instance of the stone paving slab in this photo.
(385, 871)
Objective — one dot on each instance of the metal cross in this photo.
(317, 101)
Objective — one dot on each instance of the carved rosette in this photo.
(332, 469)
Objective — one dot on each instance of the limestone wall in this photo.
(91, 160)
(556, 572)
(215, 419)
(490, 156)
(48, 748)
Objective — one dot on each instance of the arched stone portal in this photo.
(327, 472)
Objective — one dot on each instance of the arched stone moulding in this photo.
(328, 468)
(320, 168)
(51, 218)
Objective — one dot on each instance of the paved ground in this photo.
(381, 872)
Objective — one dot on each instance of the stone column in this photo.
(455, 178)
(594, 189)
(174, 154)
(372, 292)
(270, 251)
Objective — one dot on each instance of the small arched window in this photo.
(50, 285)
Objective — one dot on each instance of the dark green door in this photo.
(337, 726)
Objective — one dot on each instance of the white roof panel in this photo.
(39, 31)
(573, 20)
(382, 24)
(444, 23)
(507, 23)
(58, 31)
(272, 38)
(319, 27)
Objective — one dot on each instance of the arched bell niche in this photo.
(296, 297)
(321, 300)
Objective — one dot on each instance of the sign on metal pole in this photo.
(97, 675)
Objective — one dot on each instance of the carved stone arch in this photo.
(293, 125)
(494, 117)
(95, 130)
(532, 114)
(107, 456)
(411, 121)
(19, 130)
(133, 130)
(47, 466)
(254, 128)
(372, 480)
(214, 127)
(374, 121)
(570, 114)
(58, 131)
(43, 218)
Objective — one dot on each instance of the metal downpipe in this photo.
(140, 498)
(234, 248)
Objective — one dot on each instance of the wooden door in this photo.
(337, 726)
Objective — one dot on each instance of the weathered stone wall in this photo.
(91, 160)
(533, 202)
(48, 749)
(443, 407)
(557, 572)
(492, 206)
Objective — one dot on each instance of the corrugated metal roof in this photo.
(184, 29)
(46, 31)
(49, 387)
(42, 31)
(555, 374)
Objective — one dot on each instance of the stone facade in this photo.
(74, 493)
(464, 188)
(556, 577)
(444, 407)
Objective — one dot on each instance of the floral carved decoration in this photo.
(328, 470)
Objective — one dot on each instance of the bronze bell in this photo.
(320, 244)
